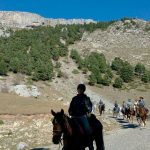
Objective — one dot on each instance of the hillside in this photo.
(41, 66)
(128, 39)
(44, 52)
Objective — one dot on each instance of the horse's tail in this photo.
(99, 139)
(98, 132)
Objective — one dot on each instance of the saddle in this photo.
(93, 122)
(78, 128)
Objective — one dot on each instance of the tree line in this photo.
(32, 52)
(117, 73)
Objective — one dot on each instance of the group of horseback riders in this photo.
(130, 109)
(81, 106)
(137, 103)
(80, 113)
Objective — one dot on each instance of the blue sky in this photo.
(101, 10)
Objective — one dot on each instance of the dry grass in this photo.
(13, 104)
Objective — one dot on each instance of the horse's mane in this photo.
(68, 124)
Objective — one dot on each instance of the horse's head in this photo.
(60, 125)
(57, 122)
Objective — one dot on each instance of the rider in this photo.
(101, 102)
(116, 107)
(135, 102)
(116, 104)
(129, 104)
(123, 105)
(141, 102)
(80, 107)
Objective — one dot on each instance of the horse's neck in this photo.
(68, 125)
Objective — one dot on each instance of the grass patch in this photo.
(147, 86)
(99, 85)
(1, 122)
(1, 78)
(75, 71)
(141, 90)
(29, 81)
(133, 85)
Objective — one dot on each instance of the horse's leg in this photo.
(144, 121)
(91, 147)
(132, 119)
(129, 118)
(98, 136)
(138, 120)
(99, 110)
(99, 141)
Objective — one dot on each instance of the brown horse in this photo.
(128, 113)
(141, 115)
(65, 128)
(101, 108)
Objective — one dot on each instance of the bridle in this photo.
(57, 131)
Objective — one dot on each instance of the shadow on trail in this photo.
(131, 126)
(121, 120)
(124, 123)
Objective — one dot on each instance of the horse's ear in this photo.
(62, 111)
(53, 113)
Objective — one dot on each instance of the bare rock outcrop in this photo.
(14, 19)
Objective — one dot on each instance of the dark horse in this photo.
(65, 128)
(129, 113)
(101, 108)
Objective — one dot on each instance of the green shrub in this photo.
(146, 77)
(3, 68)
(106, 80)
(117, 64)
(126, 73)
(139, 69)
(59, 74)
(58, 65)
(92, 79)
(1, 122)
(75, 71)
(118, 83)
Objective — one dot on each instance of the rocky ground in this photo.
(33, 131)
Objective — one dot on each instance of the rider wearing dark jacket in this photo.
(80, 106)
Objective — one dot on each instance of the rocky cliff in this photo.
(15, 19)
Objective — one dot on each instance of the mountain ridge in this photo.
(18, 19)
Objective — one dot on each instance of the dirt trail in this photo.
(128, 137)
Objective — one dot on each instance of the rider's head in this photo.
(81, 88)
(141, 97)
(129, 100)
